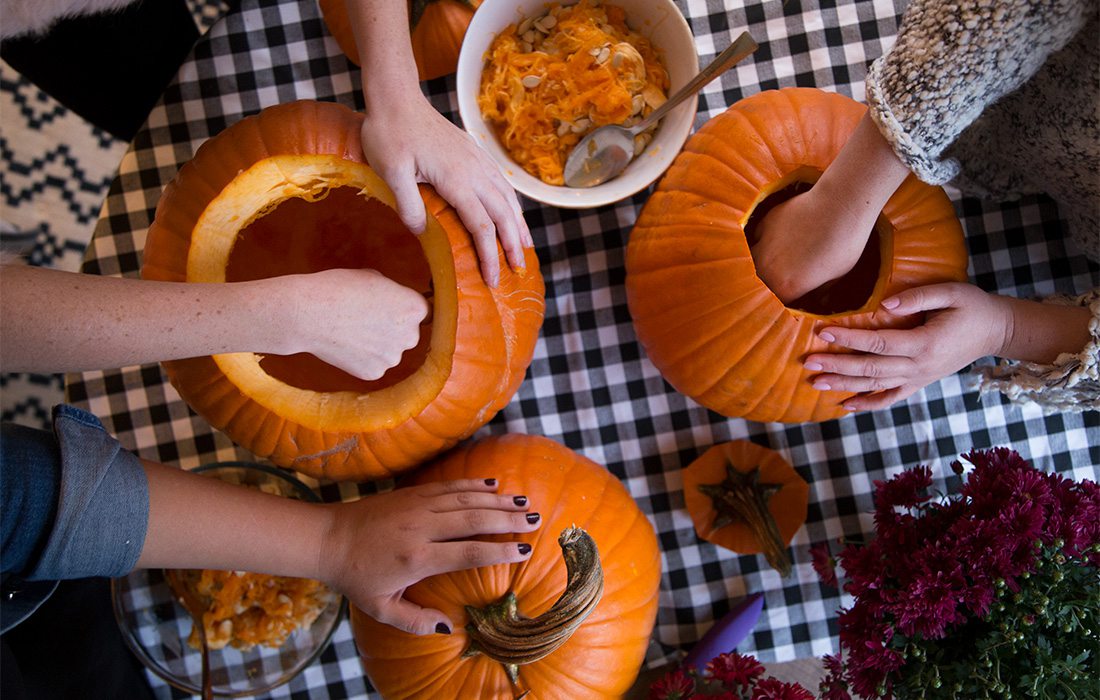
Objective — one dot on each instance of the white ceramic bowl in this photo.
(660, 21)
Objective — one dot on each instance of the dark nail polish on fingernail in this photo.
(524, 548)
(441, 628)
(490, 482)
(532, 518)
(519, 500)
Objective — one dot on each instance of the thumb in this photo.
(410, 206)
(927, 298)
(411, 618)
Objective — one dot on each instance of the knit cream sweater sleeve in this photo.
(19, 17)
(952, 60)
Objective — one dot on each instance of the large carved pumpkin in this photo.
(288, 191)
(436, 27)
(711, 327)
(602, 656)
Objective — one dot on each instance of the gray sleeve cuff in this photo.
(103, 508)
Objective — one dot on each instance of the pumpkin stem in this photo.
(742, 498)
(502, 633)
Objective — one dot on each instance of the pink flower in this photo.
(734, 670)
(676, 685)
(774, 689)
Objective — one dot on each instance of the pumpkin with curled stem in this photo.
(288, 191)
(436, 28)
(707, 321)
(544, 620)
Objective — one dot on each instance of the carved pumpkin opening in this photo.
(339, 228)
(846, 293)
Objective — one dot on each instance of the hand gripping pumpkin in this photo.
(436, 27)
(288, 191)
(599, 658)
(711, 327)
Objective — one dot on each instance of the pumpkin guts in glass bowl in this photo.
(262, 630)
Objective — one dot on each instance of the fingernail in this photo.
(821, 386)
(490, 482)
(813, 366)
(532, 518)
(441, 628)
(524, 548)
(891, 303)
(519, 500)
(827, 336)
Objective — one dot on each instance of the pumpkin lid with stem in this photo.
(748, 499)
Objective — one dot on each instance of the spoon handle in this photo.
(741, 47)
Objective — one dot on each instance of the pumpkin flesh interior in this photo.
(253, 204)
(849, 292)
(338, 230)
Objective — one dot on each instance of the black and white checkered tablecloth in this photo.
(590, 385)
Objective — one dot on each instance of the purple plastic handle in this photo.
(727, 633)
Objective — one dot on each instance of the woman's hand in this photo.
(819, 235)
(357, 320)
(380, 545)
(963, 323)
(810, 239)
(407, 141)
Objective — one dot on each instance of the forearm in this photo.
(1039, 332)
(200, 522)
(60, 321)
(381, 29)
(864, 175)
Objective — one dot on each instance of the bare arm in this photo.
(407, 141)
(819, 235)
(53, 321)
(370, 550)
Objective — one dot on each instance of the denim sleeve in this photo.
(102, 502)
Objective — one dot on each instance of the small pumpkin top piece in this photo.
(748, 499)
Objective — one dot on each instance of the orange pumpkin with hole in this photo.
(709, 324)
(288, 191)
(436, 28)
(748, 499)
(571, 623)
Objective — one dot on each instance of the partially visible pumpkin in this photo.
(436, 28)
(782, 493)
(288, 191)
(709, 324)
(602, 657)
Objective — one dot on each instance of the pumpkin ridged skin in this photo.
(708, 323)
(494, 330)
(602, 658)
(436, 37)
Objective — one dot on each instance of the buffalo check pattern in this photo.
(590, 385)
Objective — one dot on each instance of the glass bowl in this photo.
(155, 626)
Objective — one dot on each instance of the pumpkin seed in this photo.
(581, 124)
(531, 81)
(564, 128)
(526, 46)
(636, 104)
(604, 54)
(525, 26)
(549, 21)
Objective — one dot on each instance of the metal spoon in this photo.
(605, 152)
(196, 607)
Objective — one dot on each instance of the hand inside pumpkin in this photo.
(358, 320)
(380, 545)
(963, 323)
(408, 142)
